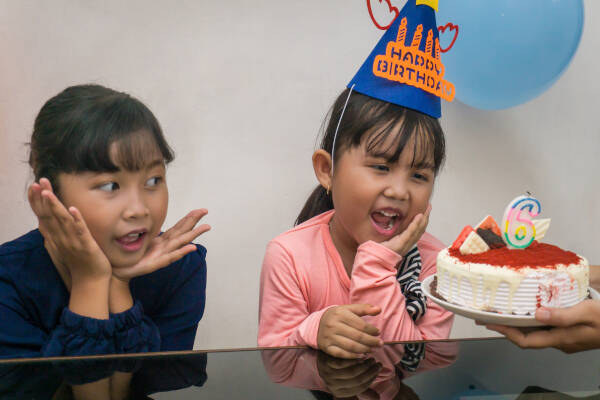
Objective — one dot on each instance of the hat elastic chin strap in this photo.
(338, 127)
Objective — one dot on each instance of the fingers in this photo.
(80, 227)
(34, 195)
(513, 334)
(53, 217)
(55, 207)
(176, 242)
(38, 204)
(530, 339)
(337, 351)
(570, 339)
(425, 221)
(357, 324)
(354, 371)
(575, 328)
(54, 214)
(173, 256)
(347, 338)
(351, 344)
(418, 225)
(152, 262)
(363, 309)
(343, 333)
(45, 185)
(44, 202)
(175, 248)
(367, 376)
(186, 223)
(360, 310)
(361, 337)
(341, 363)
(181, 239)
(586, 312)
(353, 381)
(403, 242)
(169, 247)
(539, 339)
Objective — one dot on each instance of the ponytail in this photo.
(318, 202)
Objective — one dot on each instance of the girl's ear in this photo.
(322, 165)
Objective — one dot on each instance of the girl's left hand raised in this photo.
(168, 247)
(404, 241)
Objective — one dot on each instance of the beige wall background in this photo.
(241, 88)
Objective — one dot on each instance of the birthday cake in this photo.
(510, 271)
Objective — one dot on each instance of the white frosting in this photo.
(507, 290)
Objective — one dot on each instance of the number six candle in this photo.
(518, 230)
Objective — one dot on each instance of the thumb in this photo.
(582, 313)
(364, 309)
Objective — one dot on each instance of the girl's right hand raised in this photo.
(67, 239)
(404, 241)
(167, 248)
(344, 334)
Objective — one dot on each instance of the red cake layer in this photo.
(537, 255)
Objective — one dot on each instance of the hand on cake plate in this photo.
(570, 329)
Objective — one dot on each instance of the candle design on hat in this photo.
(409, 65)
(405, 67)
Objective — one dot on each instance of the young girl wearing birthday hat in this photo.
(347, 277)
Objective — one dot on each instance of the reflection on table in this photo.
(378, 376)
(490, 369)
(102, 377)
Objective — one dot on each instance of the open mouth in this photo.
(132, 241)
(386, 221)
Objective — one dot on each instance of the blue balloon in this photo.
(508, 52)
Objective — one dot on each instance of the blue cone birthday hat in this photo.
(405, 68)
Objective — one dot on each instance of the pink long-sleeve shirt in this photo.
(303, 275)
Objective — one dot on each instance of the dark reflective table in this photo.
(491, 369)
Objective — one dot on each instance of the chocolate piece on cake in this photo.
(492, 240)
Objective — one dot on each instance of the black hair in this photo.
(367, 118)
(74, 132)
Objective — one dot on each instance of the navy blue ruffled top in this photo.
(35, 320)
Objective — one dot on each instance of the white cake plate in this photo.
(488, 317)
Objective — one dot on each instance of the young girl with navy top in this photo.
(97, 276)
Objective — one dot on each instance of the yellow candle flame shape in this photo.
(431, 3)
